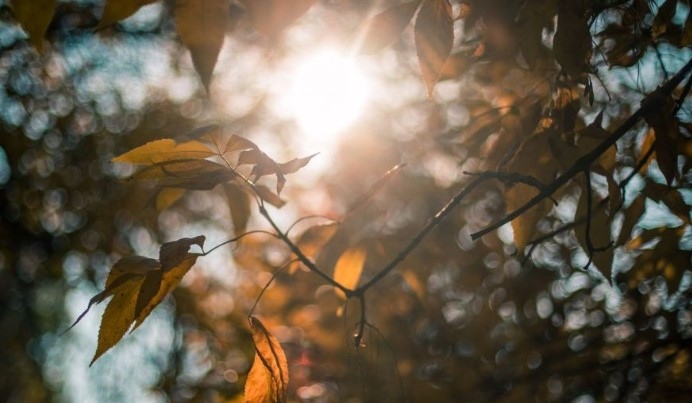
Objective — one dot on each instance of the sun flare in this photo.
(325, 93)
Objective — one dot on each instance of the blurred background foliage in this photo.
(459, 319)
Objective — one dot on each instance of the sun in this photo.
(325, 92)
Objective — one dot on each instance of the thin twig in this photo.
(648, 104)
(432, 223)
(239, 237)
(301, 256)
(266, 286)
(358, 337)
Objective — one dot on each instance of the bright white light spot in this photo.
(325, 93)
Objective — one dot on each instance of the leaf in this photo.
(666, 128)
(268, 377)
(272, 17)
(165, 150)
(118, 316)
(173, 253)
(434, 35)
(195, 174)
(35, 17)
(202, 25)
(533, 158)
(632, 216)
(385, 28)
(239, 205)
(265, 194)
(599, 234)
(572, 42)
(666, 259)
(236, 143)
(167, 197)
(663, 18)
(116, 10)
(264, 165)
(123, 283)
(348, 269)
(313, 239)
(169, 281)
(138, 284)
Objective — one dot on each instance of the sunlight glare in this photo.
(326, 93)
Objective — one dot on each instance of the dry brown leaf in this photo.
(434, 35)
(35, 17)
(272, 17)
(385, 28)
(117, 10)
(202, 25)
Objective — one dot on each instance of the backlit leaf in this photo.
(116, 10)
(267, 195)
(268, 377)
(173, 253)
(202, 25)
(35, 17)
(599, 233)
(118, 316)
(666, 128)
(434, 36)
(165, 150)
(272, 17)
(572, 42)
(313, 239)
(167, 197)
(533, 158)
(195, 174)
(348, 268)
(385, 28)
(169, 280)
(239, 204)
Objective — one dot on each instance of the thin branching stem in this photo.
(649, 104)
(299, 253)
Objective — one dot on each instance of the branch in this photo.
(429, 226)
(301, 256)
(649, 104)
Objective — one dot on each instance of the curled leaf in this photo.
(268, 377)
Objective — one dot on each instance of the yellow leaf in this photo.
(385, 28)
(348, 268)
(170, 279)
(119, 314)
(202, 25)
(165, 150)
(434, 36)
(268, 378)
(34, 16)
(116, 10)
(167, 197)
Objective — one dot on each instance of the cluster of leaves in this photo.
(533, 140)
